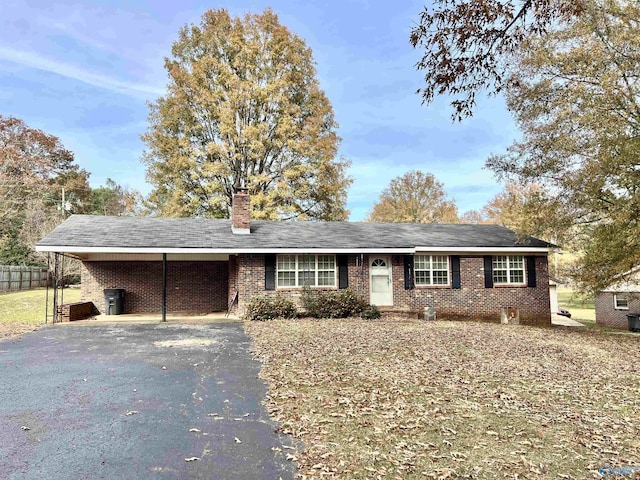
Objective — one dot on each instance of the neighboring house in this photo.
(614, 303)
(471, 271)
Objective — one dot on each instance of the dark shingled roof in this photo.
(153, 232)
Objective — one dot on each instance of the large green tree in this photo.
(244, 106)
(467, 44)
(414, 197)
(575, 94)
(113, 199)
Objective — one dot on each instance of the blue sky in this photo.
(84, 71)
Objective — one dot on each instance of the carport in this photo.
(154, 284)
(164, 265)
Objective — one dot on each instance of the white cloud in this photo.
(36, 61)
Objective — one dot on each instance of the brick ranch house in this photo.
(615, 302)
(460, 270)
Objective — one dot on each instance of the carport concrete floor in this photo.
(136, 401)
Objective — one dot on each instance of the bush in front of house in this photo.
(371, 312)
(332, 303)
(267, 308)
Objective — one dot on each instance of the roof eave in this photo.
(71, 250)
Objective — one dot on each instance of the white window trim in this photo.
(509, 269)
(316, 270)
(615, 302)
(430, 270)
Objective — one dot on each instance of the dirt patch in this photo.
(16, 329)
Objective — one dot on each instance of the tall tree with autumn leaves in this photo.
(35, 170)
(575, 94)
(244, 107)
(527, 209)
(467, 45)
(570, 71)
(414, 197)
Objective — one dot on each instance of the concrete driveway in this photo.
(134, 402)
(564, 321)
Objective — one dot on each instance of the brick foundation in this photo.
(608, 316)
(193, 287)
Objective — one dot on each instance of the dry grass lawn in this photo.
(22, 312)
(409, 399)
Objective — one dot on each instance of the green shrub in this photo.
(370, 312)
(268, 308)
(310, 301)
(332, 303)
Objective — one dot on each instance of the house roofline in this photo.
(408, 250)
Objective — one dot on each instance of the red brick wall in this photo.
(251, 280)
(473, 300)
(608, 316)
(70, 312)
(358, 267)
(200, 287)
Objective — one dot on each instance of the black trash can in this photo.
(634, 322)
(114, 301)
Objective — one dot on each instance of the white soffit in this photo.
(481, 250)
(83, 251)
(152, 257)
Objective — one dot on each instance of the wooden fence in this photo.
(18, 277)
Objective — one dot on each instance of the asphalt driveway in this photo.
(134, 402)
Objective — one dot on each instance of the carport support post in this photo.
(164, 287)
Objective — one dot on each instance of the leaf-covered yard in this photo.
(408, 399)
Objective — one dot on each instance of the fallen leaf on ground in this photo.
(398, 396)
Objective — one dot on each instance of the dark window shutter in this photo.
(269, 272)
(343, 270)
(531, 271)
(455, 271)
(488, 271)
(408, 272)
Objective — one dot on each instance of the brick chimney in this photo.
(241, 212)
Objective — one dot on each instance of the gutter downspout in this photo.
(164, 287)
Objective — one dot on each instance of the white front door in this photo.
(380, 281)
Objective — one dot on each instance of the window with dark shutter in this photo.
(269, 272)
(531, 271)
(343, 271)
(488, 271)
(408, 272)
(455, 271)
